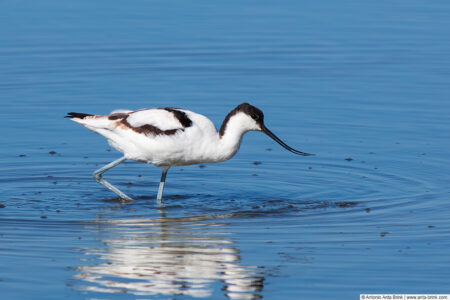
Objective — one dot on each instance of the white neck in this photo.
(230, 141)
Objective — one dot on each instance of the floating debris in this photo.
(382, 234)
(52, 152)
(346, 204)
(202, 166)
(257, 163)
(2, 206)
(22, 155)
(43, 217)
(349, 159)
(367, 210)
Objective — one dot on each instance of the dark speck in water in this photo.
(254, 174)
(43, 217)
(202, 166)
(52, 152)
(349, 159)
(58, 211)
(431, 226)
(367, 209)
(371, 152)
(255, 207)
(346, 204)
(257, 163)
(113, 200)
(2, 206)
(139, 175)
(268, 149)
(382, 234)
(309, 168)
(178, 196)
(22, 155)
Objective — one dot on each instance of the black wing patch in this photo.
(77, 115)
(149, 129)
(180, 115)
(116, 116)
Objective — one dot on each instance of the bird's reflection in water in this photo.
(182, 256)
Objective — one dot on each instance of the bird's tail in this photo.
(77, 115)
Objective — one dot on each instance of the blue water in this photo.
(368, 81)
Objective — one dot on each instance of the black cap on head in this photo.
(257, 115)
(252, 111)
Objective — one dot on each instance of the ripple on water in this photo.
(188, 247)
(325, 187)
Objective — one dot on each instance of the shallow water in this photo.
(363, 86)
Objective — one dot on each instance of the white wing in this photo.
(159, 118)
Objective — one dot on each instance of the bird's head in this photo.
(251, 118)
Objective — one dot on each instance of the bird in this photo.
(169, 136)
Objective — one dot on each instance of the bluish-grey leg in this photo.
(161, 185)
(98, 176)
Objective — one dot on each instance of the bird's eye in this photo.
(255, 117)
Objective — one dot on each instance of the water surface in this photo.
(364, 86)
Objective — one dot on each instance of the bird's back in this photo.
(161, 136)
